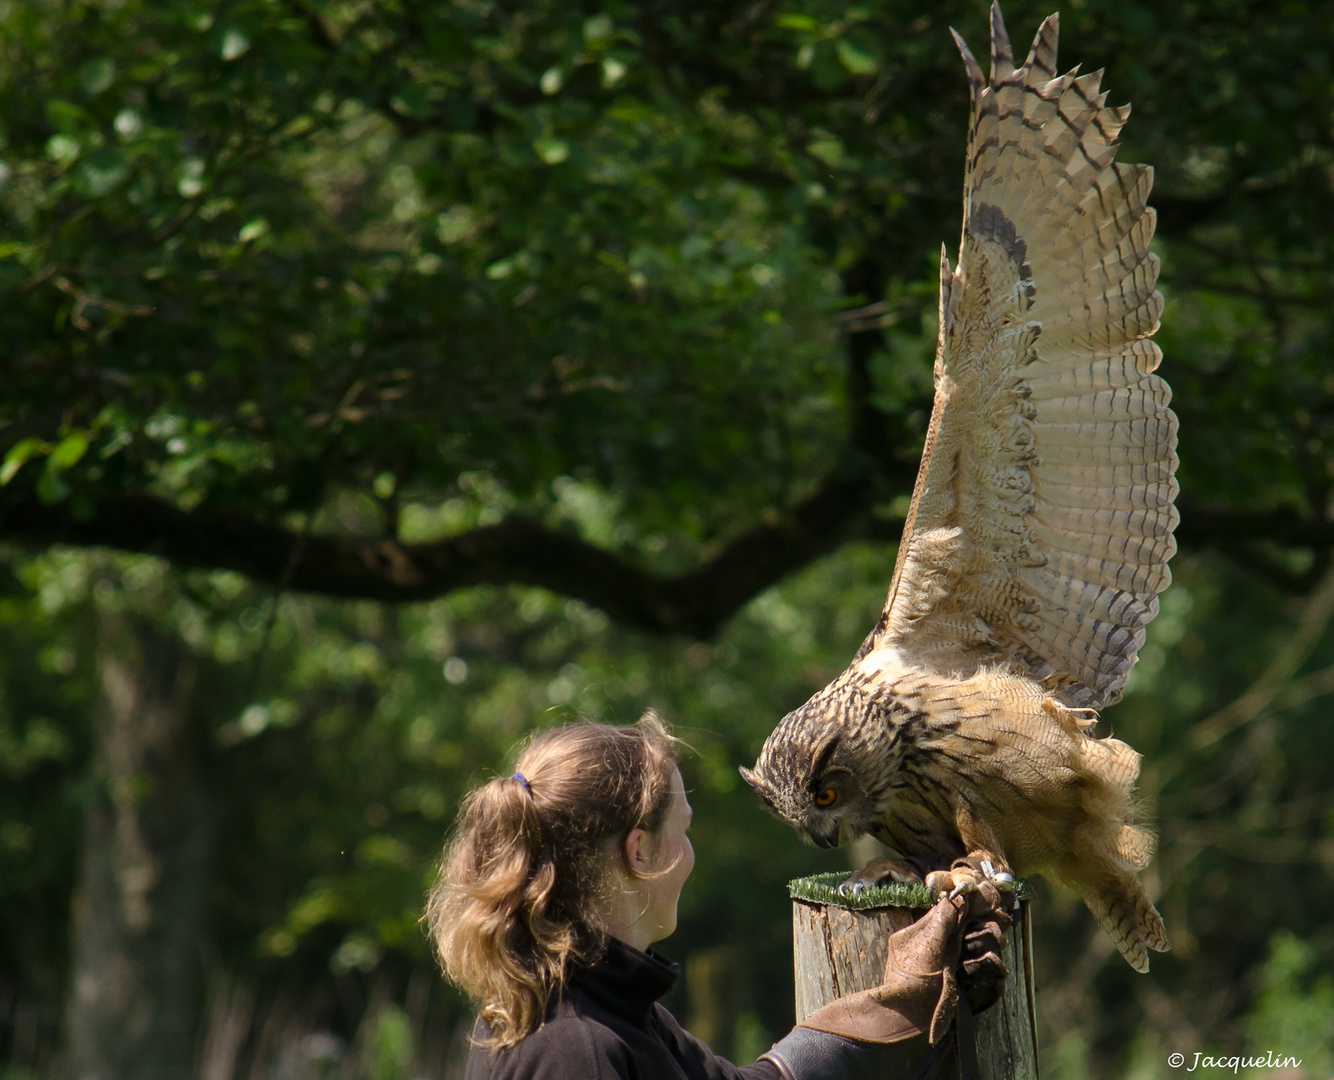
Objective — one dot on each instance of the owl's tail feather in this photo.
(1125, 911)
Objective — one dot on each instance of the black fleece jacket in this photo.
(609, 1026)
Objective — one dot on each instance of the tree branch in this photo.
(518, 551)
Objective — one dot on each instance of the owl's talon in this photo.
(965, 881)
(965, 874)
(878, 872)
(940, 883)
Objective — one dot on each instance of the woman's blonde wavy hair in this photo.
(525, 872)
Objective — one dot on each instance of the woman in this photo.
(560, 877)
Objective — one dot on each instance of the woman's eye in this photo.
(827, 797)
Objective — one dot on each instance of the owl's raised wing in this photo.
(1041, 523)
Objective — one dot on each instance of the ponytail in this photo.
(525, 872)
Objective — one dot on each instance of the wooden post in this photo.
(839, 950)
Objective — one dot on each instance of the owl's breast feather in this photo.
(987, 763)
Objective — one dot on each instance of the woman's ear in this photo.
(637, 851)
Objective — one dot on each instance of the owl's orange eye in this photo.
(827, 797)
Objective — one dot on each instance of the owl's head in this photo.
(804, 775)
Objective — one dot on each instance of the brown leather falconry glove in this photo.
(920, 990)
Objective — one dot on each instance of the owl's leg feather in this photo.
(879, 872)
(982, 863)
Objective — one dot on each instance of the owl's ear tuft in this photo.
(761, 786)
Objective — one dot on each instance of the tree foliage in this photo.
(586, 323)
(298, 288)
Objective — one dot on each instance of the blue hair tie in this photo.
(522, 780)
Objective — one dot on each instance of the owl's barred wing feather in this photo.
(1041, 524)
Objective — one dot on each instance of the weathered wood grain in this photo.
(838, 952)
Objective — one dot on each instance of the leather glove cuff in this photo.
(807, 1054)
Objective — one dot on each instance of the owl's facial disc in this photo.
(833, 795)
(785, 775)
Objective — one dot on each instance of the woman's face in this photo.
(670, 851)
(644, 909)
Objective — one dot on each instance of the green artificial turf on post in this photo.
(823, 889)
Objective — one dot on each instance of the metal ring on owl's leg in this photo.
(1002, 879)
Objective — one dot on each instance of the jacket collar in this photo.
(626, 981)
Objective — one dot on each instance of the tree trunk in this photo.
(140, 908)
(838, 951)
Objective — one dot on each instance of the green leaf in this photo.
(101, 172)
(551, 150)
(51, 488)
(252, 230)
(97, 75)
(830, 151)
(552, 80)
(598, 29)
(68, 451)
(19, 454)
(232, 42)
(65, 116)
(63, 149)
(857, 60)
(414, 101)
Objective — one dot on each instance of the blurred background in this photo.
(382, 381)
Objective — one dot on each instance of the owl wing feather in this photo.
(1041, 521)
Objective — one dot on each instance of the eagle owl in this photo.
(1038, 535)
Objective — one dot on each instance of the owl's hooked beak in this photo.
(826, 834)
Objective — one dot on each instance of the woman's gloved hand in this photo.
(982, 972)
(957, 942)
